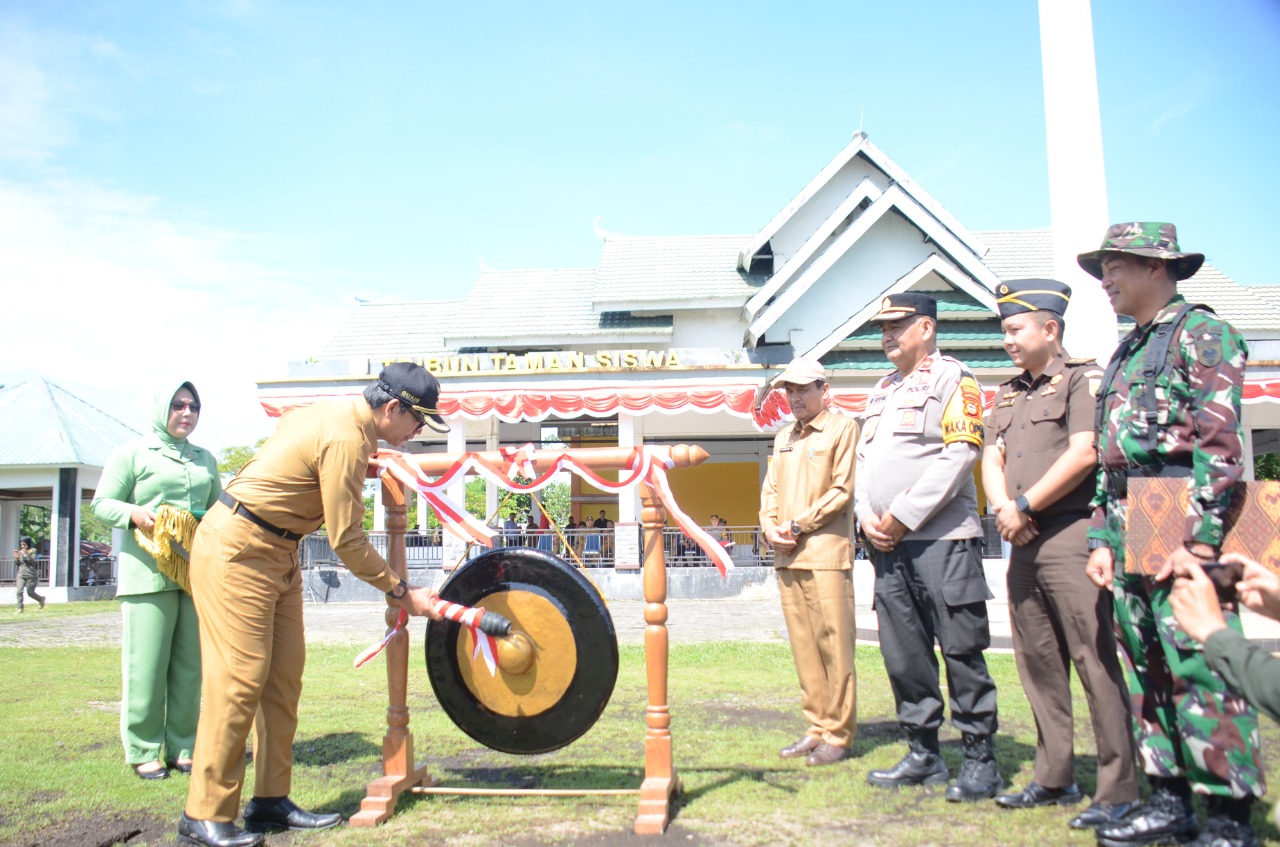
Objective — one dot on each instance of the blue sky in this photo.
(201, 188)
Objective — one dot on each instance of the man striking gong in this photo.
(247, 589)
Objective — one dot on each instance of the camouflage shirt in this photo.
(1198, 412)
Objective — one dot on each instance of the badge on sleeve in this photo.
(1209, 350)
(962, 417)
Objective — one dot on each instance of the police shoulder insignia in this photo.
(1094, 385)
(1209, 350)
(962, 416)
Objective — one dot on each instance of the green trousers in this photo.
(1186, 722)
(160, 663)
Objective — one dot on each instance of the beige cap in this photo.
(801, 372)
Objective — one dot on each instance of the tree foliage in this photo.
(232, 459)
(1267, 466)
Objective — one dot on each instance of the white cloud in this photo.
(107, 295)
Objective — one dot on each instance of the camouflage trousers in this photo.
(1186, 722)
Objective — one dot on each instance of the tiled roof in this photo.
(679, 267)
(534, 302)
(948, 332)
(874, 360)
(1017, 254)
(379, 329)
(42, 424)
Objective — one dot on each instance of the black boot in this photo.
(979, 779)
(268, 814)
(1227, 824)
(215, 834)
(922, 765)
(1167, 816)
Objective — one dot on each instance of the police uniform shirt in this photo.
(1032, 421)
(920, 443)
(810, 481)
(312, 472)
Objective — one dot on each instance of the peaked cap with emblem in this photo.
(417, 387)
(906, 304)
(1154, 239)
(1016, 296)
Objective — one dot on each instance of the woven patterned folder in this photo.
(1157, 522)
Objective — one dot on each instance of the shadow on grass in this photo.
(334, 747)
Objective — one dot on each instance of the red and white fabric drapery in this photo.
(529, 404)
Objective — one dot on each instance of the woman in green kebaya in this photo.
(160, 703)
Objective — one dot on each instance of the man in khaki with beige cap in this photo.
(806, 513)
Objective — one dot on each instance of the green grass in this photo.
(63, 781)
(10, 617)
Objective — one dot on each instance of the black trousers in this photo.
(929, 591)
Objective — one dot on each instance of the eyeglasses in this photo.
(417, 416)
(182, 406)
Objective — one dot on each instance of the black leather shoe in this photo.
(269, 814)
(158, 773)
(918, 767)
(1099, 813)
(1166, 817)
(181, 767)
(803, 746)
(1224, 832)
(1036, 794)
(215, 834)
(979, 777)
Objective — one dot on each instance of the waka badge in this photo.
(1209, 350)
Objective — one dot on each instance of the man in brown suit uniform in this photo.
(806, 512)
(247, 591)
(1037, 470)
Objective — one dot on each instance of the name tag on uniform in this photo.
(786, 449)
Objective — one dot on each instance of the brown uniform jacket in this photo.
(1032, 421)
(312, 472)
(810, 480)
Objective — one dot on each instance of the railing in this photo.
(9, 571)
(98, 570)
(594, 547)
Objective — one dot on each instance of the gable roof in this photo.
(672, 272)
(859, 146)
(43, 424)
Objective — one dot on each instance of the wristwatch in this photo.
(1023, 506)
(795, 527)
(401, 589)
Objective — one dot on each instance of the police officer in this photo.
(1037, 471)
(248, 595)
(806, 512)
(1181, 420)
(917, 505)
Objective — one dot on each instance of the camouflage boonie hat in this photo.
(1155, 239)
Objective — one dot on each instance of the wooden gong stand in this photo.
(401, 773)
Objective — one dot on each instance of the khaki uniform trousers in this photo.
(818, 609)
(1060, 618)
(248, 594)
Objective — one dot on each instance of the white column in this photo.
(1247, 459)
(379, 510)
(491, 490)
(626, 533)
(1077, 180)
(453, 545)
(9, 528)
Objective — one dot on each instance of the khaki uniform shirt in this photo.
(312, 472)
(920, 442)
(810, 481)
(1032, 422)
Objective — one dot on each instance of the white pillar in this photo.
(1077, 180)
(9, 528)
(453, 546)
(490, 488)
(626, 533)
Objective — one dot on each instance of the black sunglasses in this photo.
(179, 406)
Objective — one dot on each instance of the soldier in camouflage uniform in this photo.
(1192, 733)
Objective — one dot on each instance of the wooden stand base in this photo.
(382, 794)
(656, 794)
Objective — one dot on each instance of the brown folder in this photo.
(1157, 522)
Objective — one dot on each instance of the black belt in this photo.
(237, 508)
(1118, 480)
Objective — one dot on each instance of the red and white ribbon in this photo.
(485, 644)
(646, 464)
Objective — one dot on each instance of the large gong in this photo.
(557, 668)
